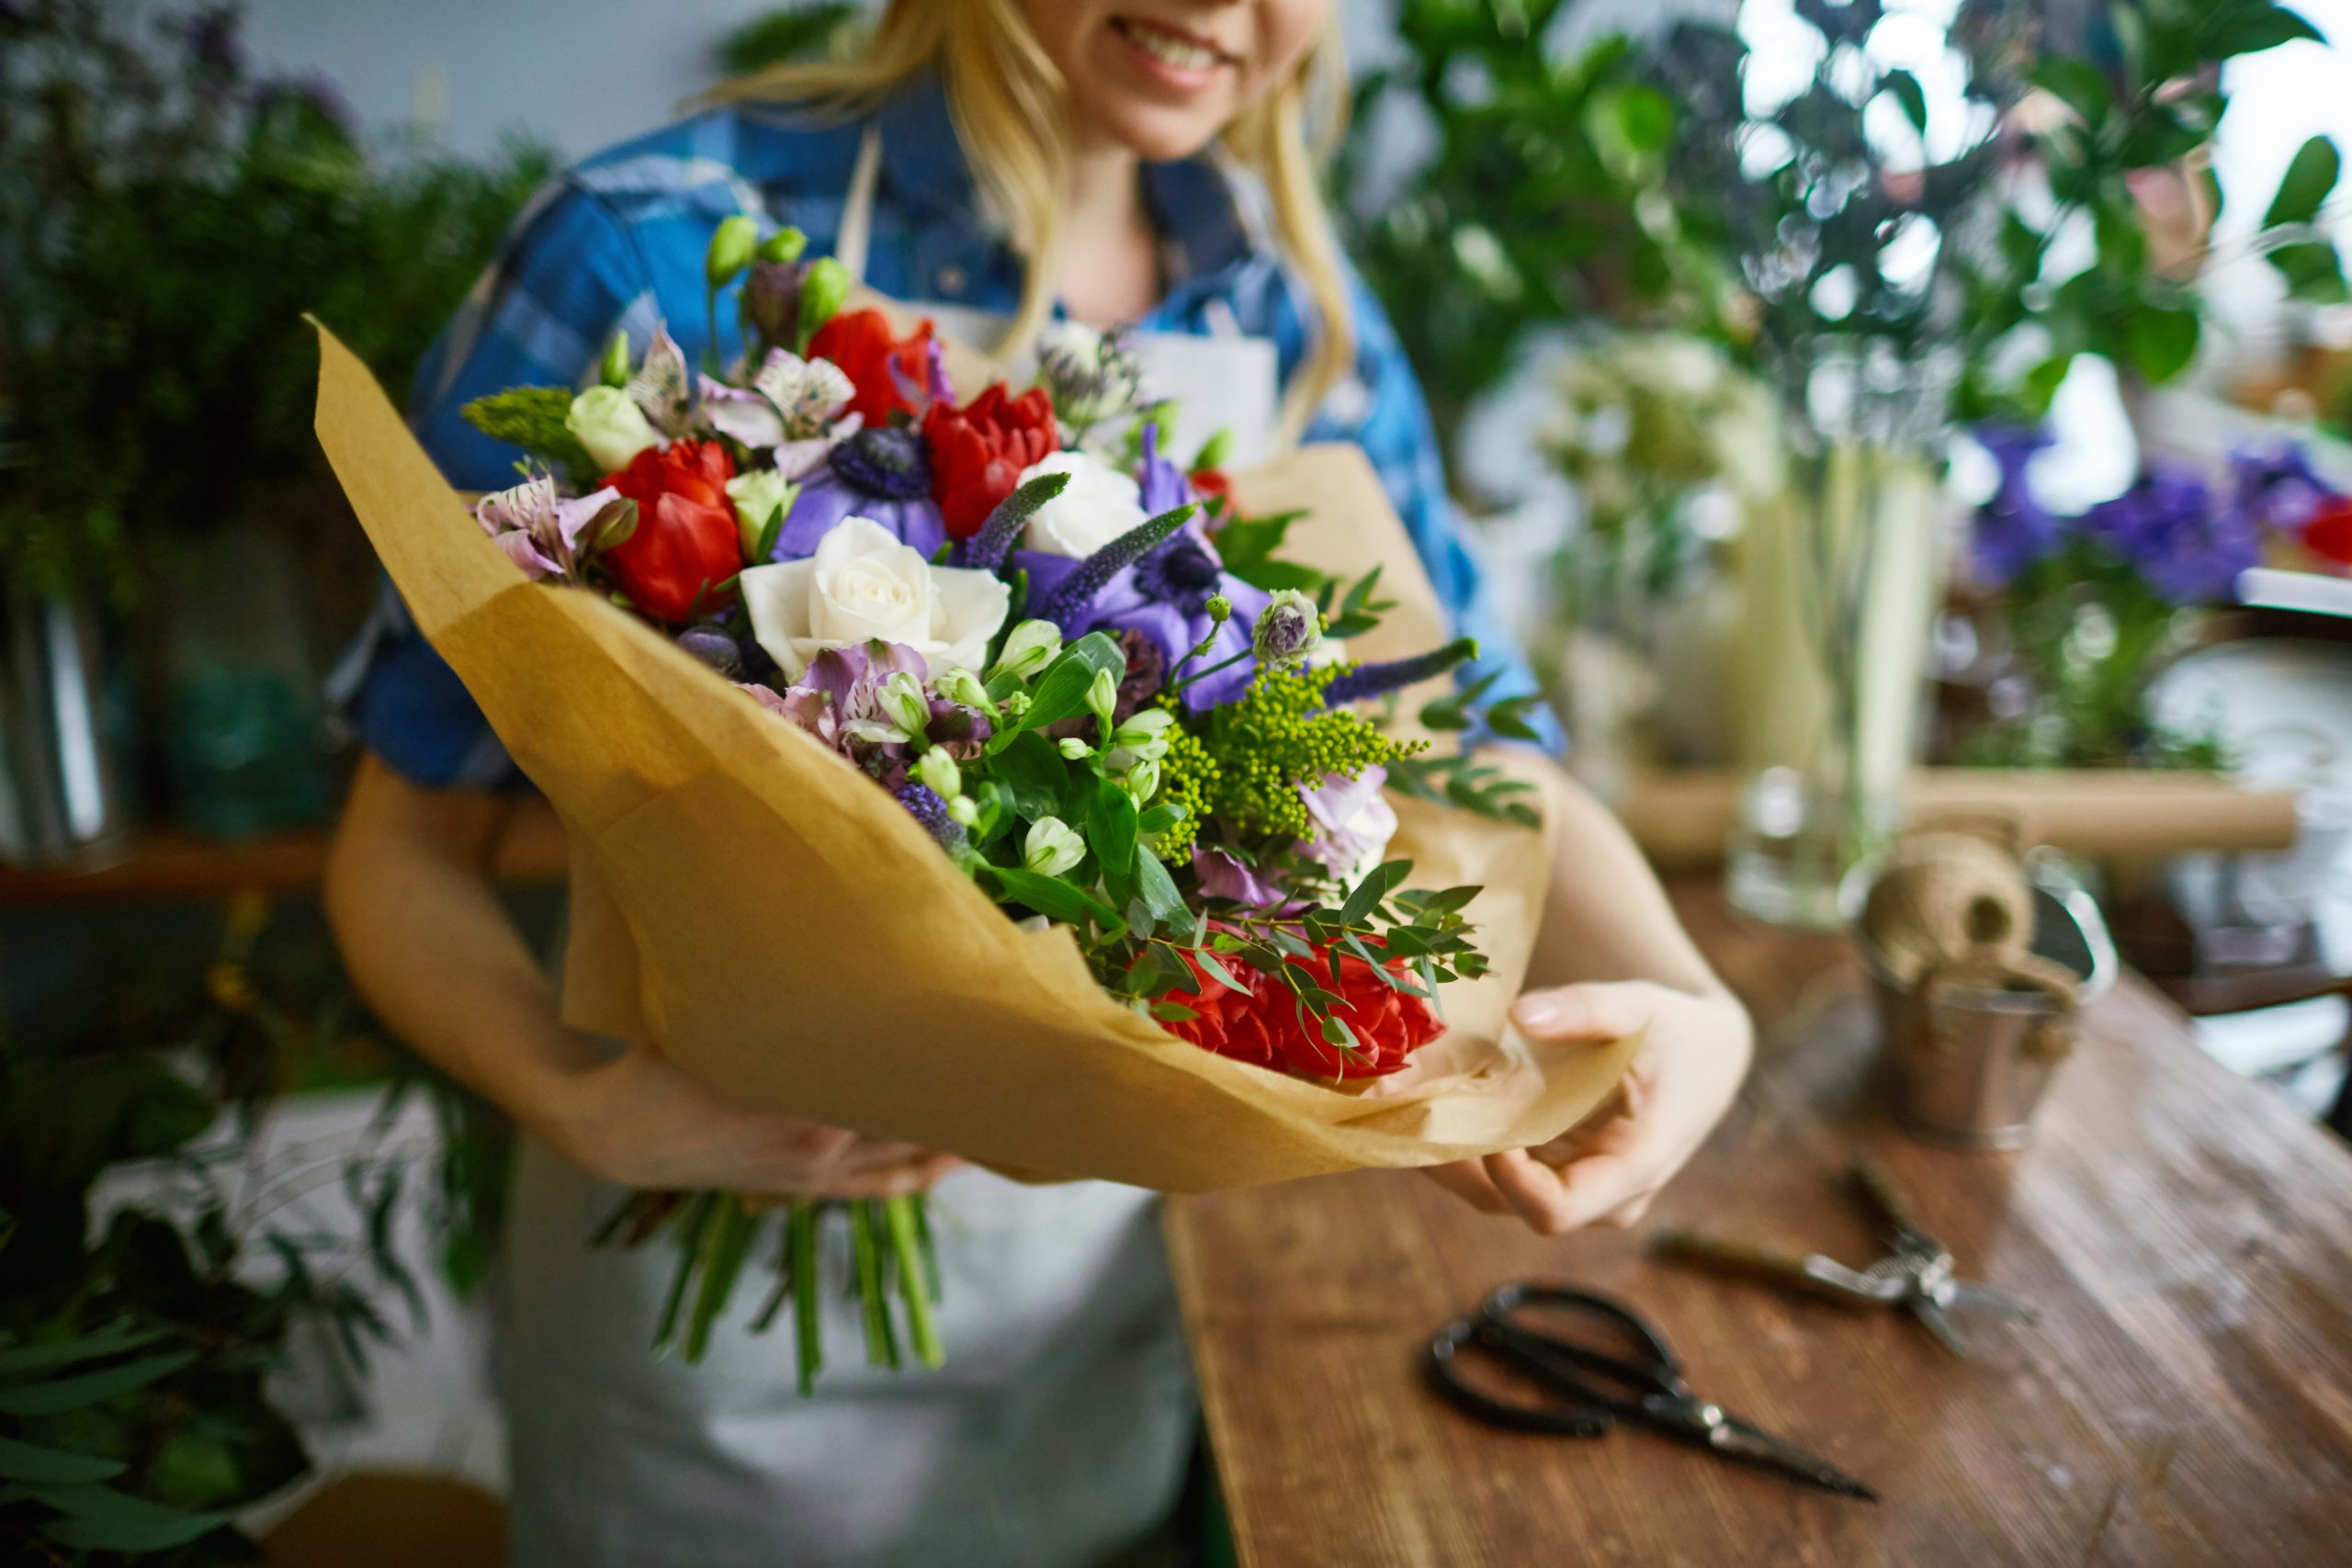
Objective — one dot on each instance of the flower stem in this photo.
(914, 1281)
(725, 1242)
(1176, 688)
(689, 1235)
(807, 1299)
(881, 1343)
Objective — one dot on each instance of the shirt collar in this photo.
(1199, 203)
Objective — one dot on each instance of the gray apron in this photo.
(1059, 1431)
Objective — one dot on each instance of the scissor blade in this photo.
(1969, 1296)
(1749, 1444)
(1939, 1323)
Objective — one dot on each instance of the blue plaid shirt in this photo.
(619, 242)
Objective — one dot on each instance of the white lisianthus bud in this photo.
(607, 421)
(1289, 629)
(1143, 781)
(1103, 700)
(903, 700)
(963, 810)
(1145, 734)
(758, 497)
(960, 686)
(938, 769)
(1032, 645)
(1051, 847)
(1074, 749)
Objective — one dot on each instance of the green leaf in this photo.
(1368, 893)
(1157, 888)
(2077, 84)
(1111, 829)
(2303, 189)
(1054, 899)
(111, 1340)
(90, 1388)
(1910, 95)
(1032, 774)
(1172, 1012)
(1061, 690)
(2313, 271)
(26, 1461)
(99, 1518)
(2163, 340)
(1644, 118)
(2235, 29)
(1220, 973)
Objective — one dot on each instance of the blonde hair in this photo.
(1011, 111)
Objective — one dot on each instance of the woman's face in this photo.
(1162, 77)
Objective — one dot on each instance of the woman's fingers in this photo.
(1553, 1203)
(1467, 1181)
(1593, 1011)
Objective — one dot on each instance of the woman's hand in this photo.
(1695, 1051)
(639, 1121)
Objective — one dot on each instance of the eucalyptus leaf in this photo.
(2304, 188)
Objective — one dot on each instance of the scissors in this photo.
(1590, 1390)
(1917, 1275)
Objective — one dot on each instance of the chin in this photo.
(1162, 135)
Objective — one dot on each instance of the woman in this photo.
(1139, 162)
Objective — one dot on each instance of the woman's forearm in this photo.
(1606, 918)
(431, 947)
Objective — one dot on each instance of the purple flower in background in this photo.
(1353, 823)
(2169, 527)
(880, 474)
(2013, 530)
(1223, 877)
(1164, 597)
(215, 41)
(2278, 489)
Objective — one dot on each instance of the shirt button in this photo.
(950, 280)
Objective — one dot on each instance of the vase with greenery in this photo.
(166, 216)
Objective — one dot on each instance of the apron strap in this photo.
(856, 229)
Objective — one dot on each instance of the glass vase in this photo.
(1840, 577)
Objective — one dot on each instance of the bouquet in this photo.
(889, 654)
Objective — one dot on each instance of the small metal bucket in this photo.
(1968, 1066)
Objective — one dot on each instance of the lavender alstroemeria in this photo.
(838, 699)
(1164, 597)
(2012, 531)
(2169, 526)
(659, 386)
(540, 531)
(2278, 489)
(792, 410)
(881, 474)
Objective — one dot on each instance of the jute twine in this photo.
(1946, 900)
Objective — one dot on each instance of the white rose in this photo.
(757, 496)
(1097, 505)
(607, 421)
(864, 583)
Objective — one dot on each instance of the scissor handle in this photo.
(1658, 1367)
(1568, 1420)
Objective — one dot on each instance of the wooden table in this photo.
(2185, 1398)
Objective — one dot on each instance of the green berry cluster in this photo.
(1280, 735)
(1188, 777)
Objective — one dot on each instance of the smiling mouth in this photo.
(1180, 50)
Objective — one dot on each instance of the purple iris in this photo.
(2278, 489)
(1165, 596)
(1163, 484)
(882, 474)
(2013, 530)
(2168, 526)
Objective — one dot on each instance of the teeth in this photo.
(1182, 53)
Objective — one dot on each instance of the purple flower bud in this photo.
(714, 648)
(923, 803)
(772, 300)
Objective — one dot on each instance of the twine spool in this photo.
(1946, 899)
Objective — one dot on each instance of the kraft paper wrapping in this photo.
(785, 932)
